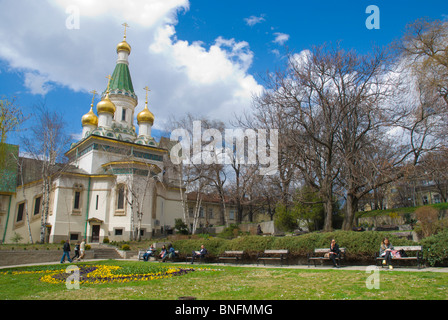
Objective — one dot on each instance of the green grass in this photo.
(234, 283)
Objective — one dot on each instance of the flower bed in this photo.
(95, 274)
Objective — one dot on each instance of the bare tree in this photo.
(46, 143)
(304, 98)
(424, 48)
(140, 185)
(196, 174)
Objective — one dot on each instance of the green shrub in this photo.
(125, 247)
(285, 218)
(230, 232)
(180, 226)
(360, 245)
(436, 248)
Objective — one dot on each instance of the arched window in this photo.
(120, 197)
(77, 197)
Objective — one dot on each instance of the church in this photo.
(118, 184)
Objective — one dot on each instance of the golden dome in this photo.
(105, 106)
(145, 116)
(124, 46)
(90, 118)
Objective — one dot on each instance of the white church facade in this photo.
(118, 182)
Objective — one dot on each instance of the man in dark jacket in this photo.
(334, 252)
(199, 254)
(66, 249)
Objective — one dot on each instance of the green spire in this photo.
(121, 82)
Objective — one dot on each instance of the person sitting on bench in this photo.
(171, 253)
(386, 251)
(149, 253)
(334, 253)
(199, 254)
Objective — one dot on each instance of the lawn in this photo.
(121, 280)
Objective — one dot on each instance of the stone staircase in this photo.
(102, 251)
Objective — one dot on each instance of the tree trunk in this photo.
(350, 210)
(328, 205)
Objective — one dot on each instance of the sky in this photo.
(205, 57)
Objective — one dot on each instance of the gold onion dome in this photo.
(145, 116)
(124, 46)
(90, 118)
(105, 106)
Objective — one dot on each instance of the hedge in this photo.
(436, 248)
(360, 245)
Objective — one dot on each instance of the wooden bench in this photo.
(201, 259)
(418, 250)
(320, 254)
(232, 255)
(141, 253)
(281, 255)
(155, 254)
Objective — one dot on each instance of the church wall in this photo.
(69, 207)
(126, 103)
(32, 192)
(173, 207)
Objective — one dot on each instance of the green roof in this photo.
(121, 82)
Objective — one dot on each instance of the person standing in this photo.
(82, 249)
(66, 249)
(77, 248)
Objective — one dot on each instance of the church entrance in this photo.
(95, 233)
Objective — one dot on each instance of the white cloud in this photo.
(281, 38)
(146, 13)
(36, 83)
(183, 76)
(253, 20)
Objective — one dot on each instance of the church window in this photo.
(77, 198)
(210, 213)
(37, 205)
(123, 115)
(20, 211)
(120, 197)
(97, 200)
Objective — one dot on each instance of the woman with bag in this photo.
(387, 251)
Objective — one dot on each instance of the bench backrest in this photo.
(233, 252)
(408, 248)
(276, 251)
(325, 250)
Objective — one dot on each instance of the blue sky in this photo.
(200, 56)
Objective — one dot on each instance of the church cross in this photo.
(108, 83)
(125, 25)
(147, 90)
(94, 94)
